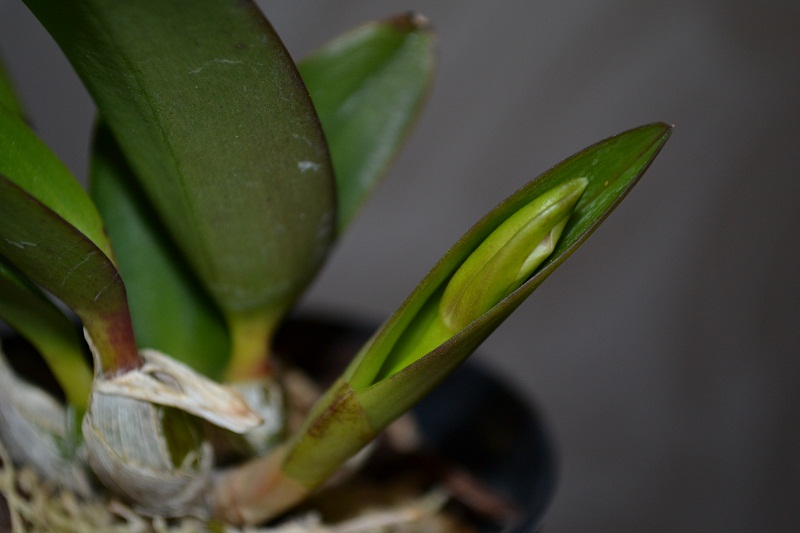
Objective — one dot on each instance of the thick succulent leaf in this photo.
(28, 162)
(26, 309)
(54, 254)
(611, 167)
(50, 230)
(170, 311)
(8, 96)
(213, 117)
(368, 86)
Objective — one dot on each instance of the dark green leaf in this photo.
(368, 87)
(170, 311)
(214, 119)
(50, 230)
(26, 161)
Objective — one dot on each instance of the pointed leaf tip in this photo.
(368, 87)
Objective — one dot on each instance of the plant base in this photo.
(27, 505)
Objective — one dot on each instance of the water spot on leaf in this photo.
(305, 166)
(20, 244)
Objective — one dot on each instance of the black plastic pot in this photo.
(472, 420)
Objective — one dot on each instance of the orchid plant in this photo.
(222, 173)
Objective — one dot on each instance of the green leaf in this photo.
(8, 96)
(25, 160)
(212, 116)
(170, 311)
(368, 86)
(50, 231)
(366, 399)
(611, 167)
(26, 309)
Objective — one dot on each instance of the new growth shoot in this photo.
(494, 270)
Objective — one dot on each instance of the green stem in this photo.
(112, 336)
(256, 491)
(251, 335)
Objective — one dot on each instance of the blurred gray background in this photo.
(666, 352)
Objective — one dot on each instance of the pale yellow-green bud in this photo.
(506, 258)
(499, 265)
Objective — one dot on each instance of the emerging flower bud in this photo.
(509, 255)
(498, 266)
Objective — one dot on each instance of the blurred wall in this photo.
(666, 352)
